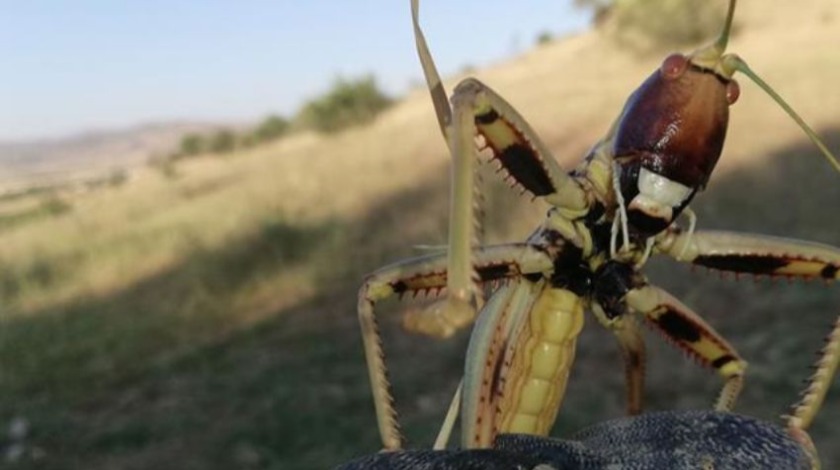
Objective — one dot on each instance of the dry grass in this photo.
(207, 321)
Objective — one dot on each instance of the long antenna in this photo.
(713, 58)
(710, 56)
(733, 62)
(723, 40)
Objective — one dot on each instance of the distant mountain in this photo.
(32, 162)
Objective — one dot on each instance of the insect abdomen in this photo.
(540, 367)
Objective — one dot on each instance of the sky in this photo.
(73, 66)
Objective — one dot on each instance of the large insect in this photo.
(620, 205)
(670, 439)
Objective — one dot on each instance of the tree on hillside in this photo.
(657, 24)
(600, 9)
(223, 141)
(348, 103)
(544, 38)
(191, 144)
(271, 128)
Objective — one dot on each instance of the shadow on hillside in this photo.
(159, 375)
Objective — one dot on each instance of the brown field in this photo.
(207, 319)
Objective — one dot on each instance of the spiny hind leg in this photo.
(690, 333)
(771, 256)
(763, 255)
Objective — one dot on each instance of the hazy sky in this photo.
(69, 66)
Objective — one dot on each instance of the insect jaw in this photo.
(659, 197)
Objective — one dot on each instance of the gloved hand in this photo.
(663, 440)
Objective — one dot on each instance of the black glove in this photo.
(664, 440)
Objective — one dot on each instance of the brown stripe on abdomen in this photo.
(498, 367)
(751, 264)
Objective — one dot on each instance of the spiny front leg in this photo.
(477, 109)
(752, 254)
(517, 147)
(427, 274)
(690, 333)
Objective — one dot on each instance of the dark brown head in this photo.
(670, 134)
(669, 138)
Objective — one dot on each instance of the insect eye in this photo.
(733, 91)
(673, 66)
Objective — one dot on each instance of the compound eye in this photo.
(733, 91)
(673, 66)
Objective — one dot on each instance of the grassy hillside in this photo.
(207, 319)
(86, 157)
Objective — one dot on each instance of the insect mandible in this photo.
(606, 217)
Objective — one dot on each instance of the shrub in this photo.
(601, 9)
(544, 38)
(348, 103)
(192, 144)
(270, 129)
(223, 141)
(653, 25)
(54, 205)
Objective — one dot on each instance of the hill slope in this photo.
(42, 161)
(206, 318)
